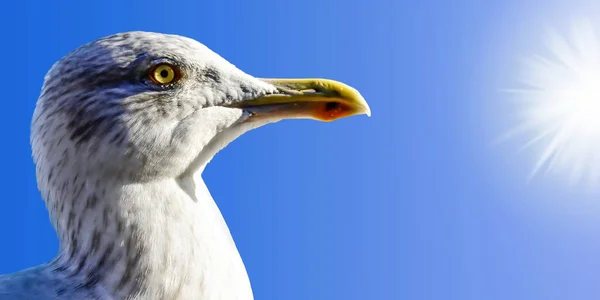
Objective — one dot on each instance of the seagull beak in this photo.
(318, 99)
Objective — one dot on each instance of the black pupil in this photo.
(164, 73)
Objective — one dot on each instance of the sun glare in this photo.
(559, 106)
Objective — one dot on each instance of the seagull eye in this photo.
(164, 74)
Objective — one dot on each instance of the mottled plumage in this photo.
(118, 162)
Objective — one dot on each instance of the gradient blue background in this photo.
(412, 203)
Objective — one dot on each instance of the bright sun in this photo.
(560, 105)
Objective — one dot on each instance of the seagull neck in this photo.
(154, 240)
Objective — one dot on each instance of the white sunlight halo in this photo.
(559, 105)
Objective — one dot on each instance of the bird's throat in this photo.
(155, 240)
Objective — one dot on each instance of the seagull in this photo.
(121, 133)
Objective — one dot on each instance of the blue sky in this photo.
(412, 203)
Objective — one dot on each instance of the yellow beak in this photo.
(319, 99)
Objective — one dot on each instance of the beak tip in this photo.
(367, 111)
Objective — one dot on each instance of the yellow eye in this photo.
(164, 74)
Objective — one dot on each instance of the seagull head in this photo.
(122, 129)
(143, 106)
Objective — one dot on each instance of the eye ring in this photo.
(164, 74)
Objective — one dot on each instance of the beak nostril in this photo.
(309, 91)
(283, 90)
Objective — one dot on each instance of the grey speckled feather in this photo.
(119, 161)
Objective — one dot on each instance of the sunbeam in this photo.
(559, 107)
